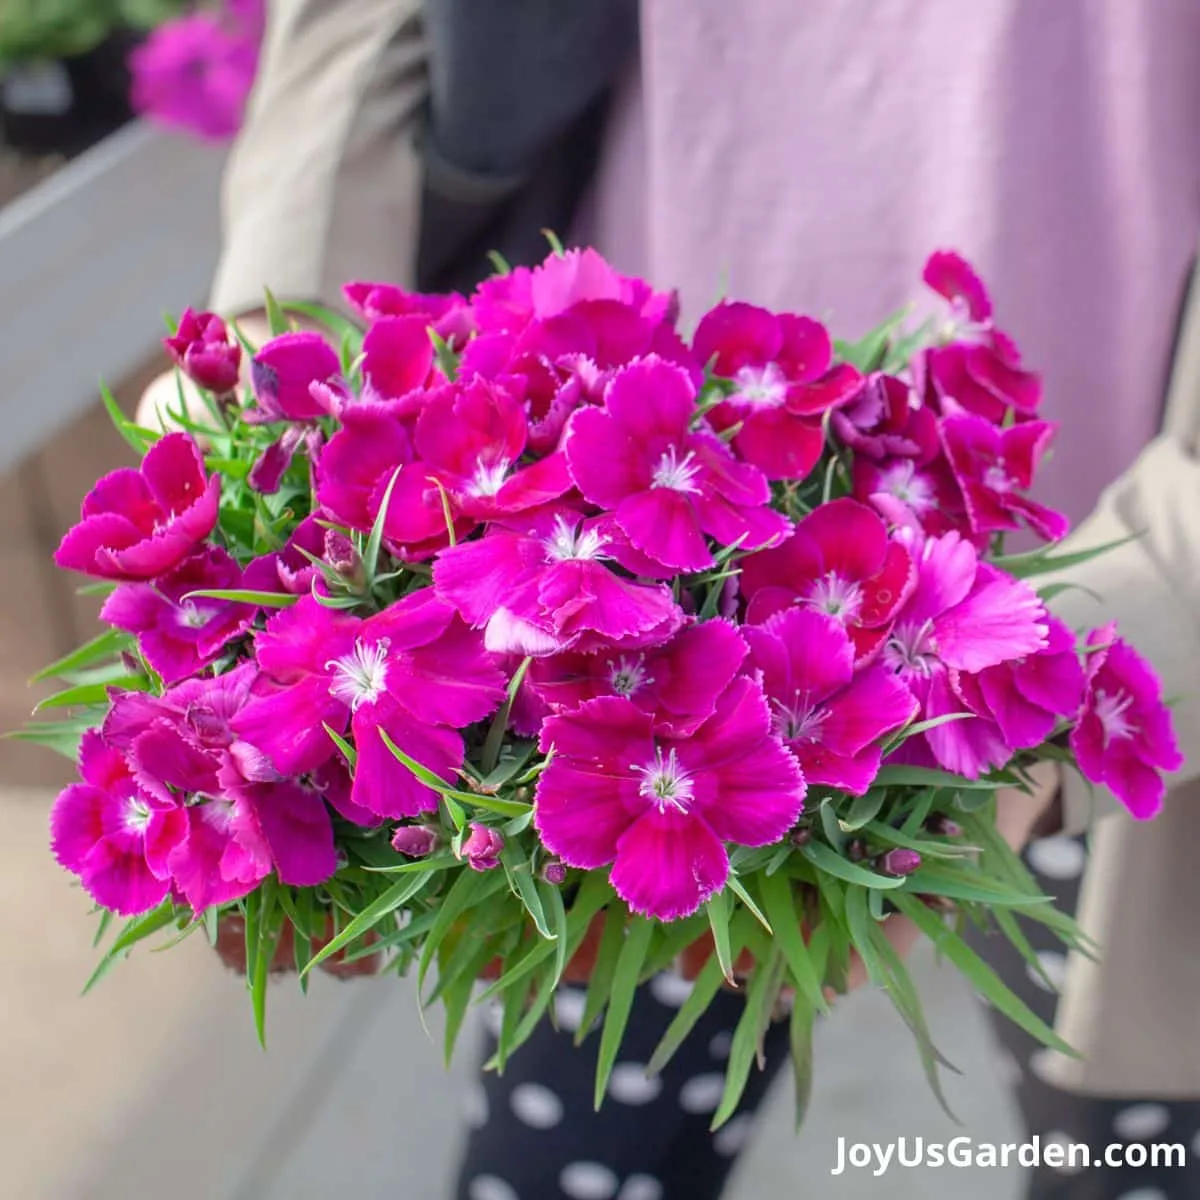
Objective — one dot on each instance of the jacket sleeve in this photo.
(323, 185)
(1150, 586)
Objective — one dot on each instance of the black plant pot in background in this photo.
(62, 108)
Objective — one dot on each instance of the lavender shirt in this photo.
(808, 154)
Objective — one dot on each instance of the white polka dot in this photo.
(1008, 1070)
(490, 1187)
(702, 1093)
(1057, 858)
(641, 1187)
(1143, 1194)
(1141, 1121)
(588, 1181)
(733, 1135)
(1055, 967)
(568, 1008)
(493, 1017)
(536, 1106)
(719, 1046)
(1041, 1064)
(475, 1107)
(671, 990)
(1065, 1164)
(631, 1085)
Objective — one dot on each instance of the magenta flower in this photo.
(839, 561)
(355, 469)
(911, 494)
(183, 746)
(677, 683)
(397, 357)
(194, 73)
(550, 590)
(658, 807)
(289, 569)
(1029, 697)
(1124, 739)
(832, 719)
(414, 672)
(994, 467)
(880, 423)
(963, 617)
(179, 636)
(138, 524)
(448, 315)
(283, 372)
(203, 350)
(980, 369)
(111, 833)
(668, 486)
(784, 381)
(472, 437)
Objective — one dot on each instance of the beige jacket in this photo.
(324, 186)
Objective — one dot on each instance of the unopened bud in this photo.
(801, 836)
(856, 851)
(943, 826)
(416, 841)
(481, 847)
(899, 861)
(555, 872)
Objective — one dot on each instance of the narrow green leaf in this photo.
(978, 973)
(787, 921)
(471, 887)
(387, 902)
(102, 925)
(93, 693)
(736, 886)
(555, 245)
(348, 751)
(896, 775)
(277, 320)
(499, 262)
(111, 642)
(135, 930)
(832, 863)
(375, 537)
(863, 809)
(127, 429)
(1042, 562)
(749, 1033)
(267, 936)
(246, 596)
(800, 1038)
(499, 726)
(704, 989)
(718, 920)
(927, 847)
(552, 905)
(612, 938)
(968, 883)
(620, 1001)
(340, 326)
(829, 823)
(1011, 928)
(524, 887)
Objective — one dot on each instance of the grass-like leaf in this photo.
(786, 920)
(718, 920)
(898, 775)
(978, 973)
(833, 863)
(135, 930)
(375, 537)
(620, 1000)
(245, 596)
(1042, 562)
(800, 1038)
(863, 809)
(107, 645)
(524, 887)
(612, 938)
(93, 693)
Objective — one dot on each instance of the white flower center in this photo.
(489, 478)
(800, 720)
(997, 479)
(360, 676)
(960, 328)
(218, 814)
(678, 474)
(903, 482)
(137, 814)
(760, 387)
(665, 782)
(836, 596)
(628, 675)
(1111, 712)
(191, 616)
(909, 651)
(570, 542)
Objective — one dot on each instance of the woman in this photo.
(807, 157)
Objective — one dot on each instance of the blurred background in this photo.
(153, 1085)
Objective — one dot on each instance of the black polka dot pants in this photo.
(1063, 1117)
(535, 1136)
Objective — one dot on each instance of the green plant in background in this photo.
(45, 30)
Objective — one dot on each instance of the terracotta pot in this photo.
(231, 948)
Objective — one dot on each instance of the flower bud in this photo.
(801, 836)
(899, 861)
(942, 826)
(203, 350)
(481, 847)
(856, 851)
(555, 872)
(415, 840)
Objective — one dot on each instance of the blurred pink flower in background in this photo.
(195, 73)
